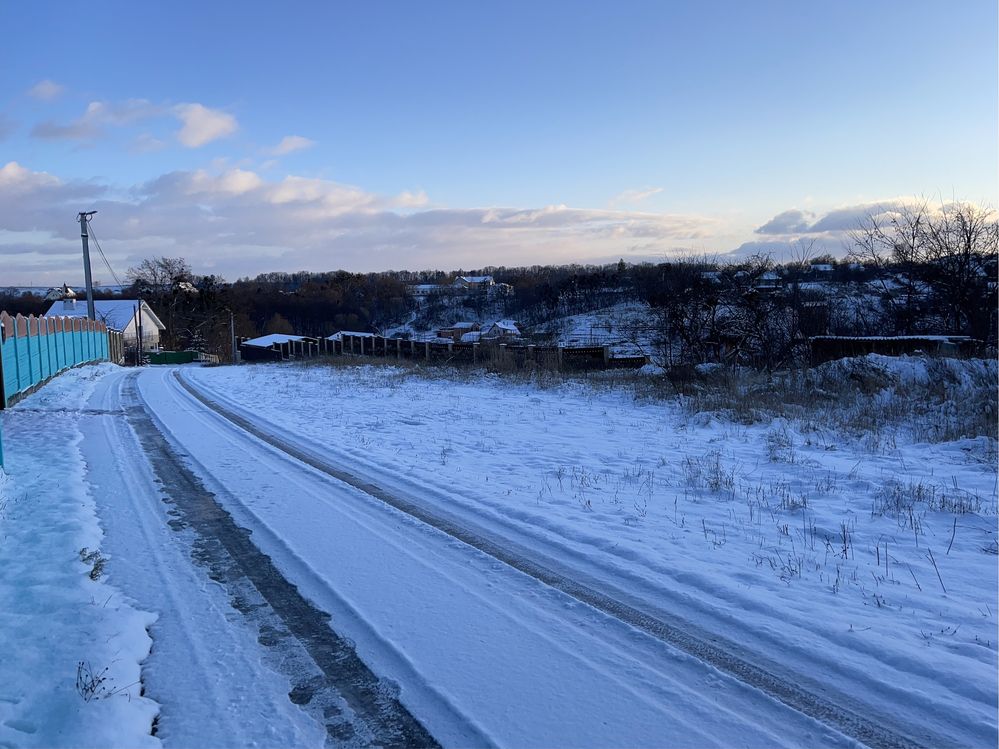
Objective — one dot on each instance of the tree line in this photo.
(911, 270)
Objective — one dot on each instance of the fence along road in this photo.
(33, 350)
(796, 691)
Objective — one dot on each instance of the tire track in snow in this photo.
(229, 552)
(872, 731)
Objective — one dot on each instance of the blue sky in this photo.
(447, 134)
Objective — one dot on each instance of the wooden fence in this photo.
(827, 347)
(499, 355)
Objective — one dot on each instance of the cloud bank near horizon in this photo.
(235, 222)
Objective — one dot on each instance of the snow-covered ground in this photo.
(72, 643)
(869, 574)
(627, 327)
(858, 575)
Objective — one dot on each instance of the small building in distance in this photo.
(501, 330)
(457, 330)
(473, 283)
(122, 315)
(423, 290)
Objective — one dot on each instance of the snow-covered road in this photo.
(481, 653)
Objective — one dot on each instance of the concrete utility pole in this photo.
(84, 218)
(232, 336)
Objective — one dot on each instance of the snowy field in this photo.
(865, 568)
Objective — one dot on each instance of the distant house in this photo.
(822, 268)
(423, 290)
(122, 315)
(457, 330)
(471, 283)
(500, 330)
(767, 281)
(471, 337)
(59, 293)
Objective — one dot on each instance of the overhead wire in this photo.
(96, 242)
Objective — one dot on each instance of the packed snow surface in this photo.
(72, 643)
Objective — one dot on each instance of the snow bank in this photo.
(70, 675)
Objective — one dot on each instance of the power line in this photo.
(96, 242)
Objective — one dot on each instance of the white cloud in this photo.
(231, 182)
(838, 220)
(788, 222)
(633, 197)
(290, 144)
(827, 232)
(97, 116)
(147, 143)
(408, 199)
(46, 90)
(238, 223)
(15, 176)
(202, 125)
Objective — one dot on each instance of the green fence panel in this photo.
(29, 360)
(44, 354)
(34, 367)
(60, 351)
(23, 365)
(8, 363)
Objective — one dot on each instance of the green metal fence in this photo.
(35, 349)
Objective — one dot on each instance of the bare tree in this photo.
(891, 240)
(934, 266)
(961, 245)
(166, 283)
(160, 274)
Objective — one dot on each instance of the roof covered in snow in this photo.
(266, 341)
(339, 336)
(508, 325)
(115, 313)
